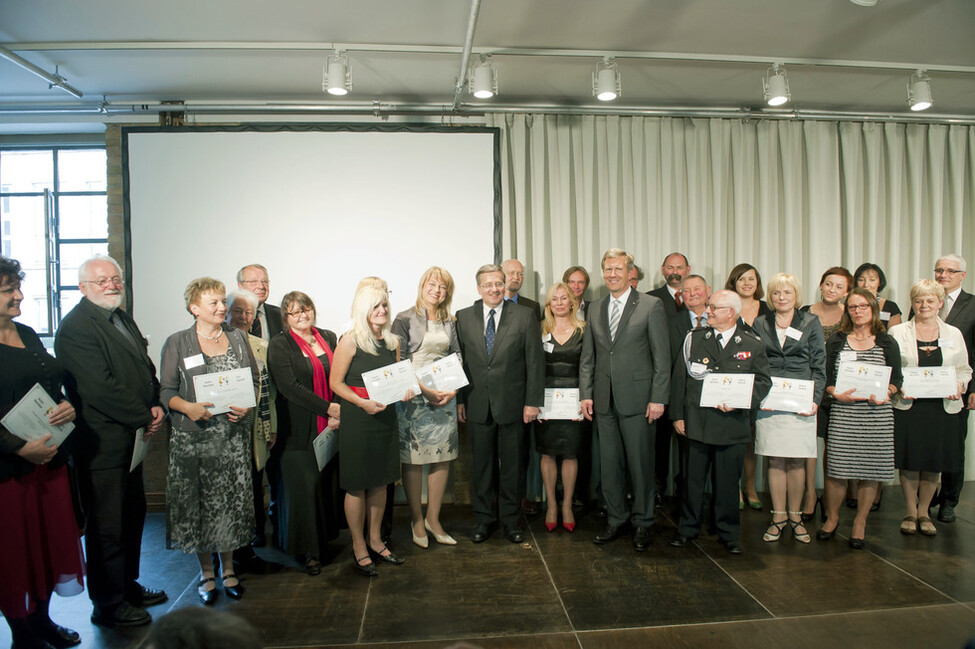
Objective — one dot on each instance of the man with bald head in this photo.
(716, 437)
(674, 269)
(514, 277)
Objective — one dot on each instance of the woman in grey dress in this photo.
(428, 423)
(208, 489)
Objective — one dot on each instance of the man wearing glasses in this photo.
(113, 384)
(716, 436)
(958, 311)
(267, 321)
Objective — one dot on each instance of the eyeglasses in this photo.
(262, 282)
(105, 281)
(715, 308)
(857, 307)
(298, 312)
(949, 271)
(493, 285)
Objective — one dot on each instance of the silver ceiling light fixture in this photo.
(483, 79)
(919, 91)
(606, 85)
(864, 3)
(336, 79)
(776, 86)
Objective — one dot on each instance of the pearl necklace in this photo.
(212, 339)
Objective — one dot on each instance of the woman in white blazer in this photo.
(928, 434)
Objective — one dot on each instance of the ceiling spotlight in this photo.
(919, 91)
(484, 79)
(864, 3)
(335, 75)
(776, 86)
(606, 80)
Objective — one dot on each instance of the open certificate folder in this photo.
(390, 383)
(326, 445)
(561, 403)
(225, 389)
(28, 418)
(732, 390)
(929, 382)
(864, 378)
(790, 395)
(445, 375)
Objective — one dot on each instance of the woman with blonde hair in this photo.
(928, 433)
(428, 423)
(369, 442)
(562, 340)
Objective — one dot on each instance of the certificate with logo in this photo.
(929, 382)
(445, 375)
(790, 395)
(390, 384)
(864, 378)
(561, 403)
(732, 390)
(225, 389)
(28, 418)
(326, 445)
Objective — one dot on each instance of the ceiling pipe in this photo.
(54, 79)
(466, 54)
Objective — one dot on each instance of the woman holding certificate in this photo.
(369, 442)
(428, 423)
(209, 504)
(300, 360)
(928, 434)
(40, 550)
(860, 441)
(562, 339)
(795, 349)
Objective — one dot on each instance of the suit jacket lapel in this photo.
(628, 308)
(502, 327)
(116, 336)
(957, 307)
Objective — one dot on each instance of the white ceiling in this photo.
(840, 57)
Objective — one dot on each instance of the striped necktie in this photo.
(614, 319)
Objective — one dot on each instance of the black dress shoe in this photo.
(313, 568)
(482, 533)
(365, 569)
(59, 637)
(139, 595)
(641, 539)
(233, 592)
(823, 535)
(123, 615)
(946, 514)
(857, 544)
(681, 541)
(385, 558)
(528, 508)
(732, 547)
(610, 533)
(208, 597)
(514, 534)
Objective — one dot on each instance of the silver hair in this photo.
(732, 298)
(83, 268)
(243, 294)
(958, 259)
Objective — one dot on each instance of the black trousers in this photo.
(498, 463)
(661, 457)
(951, 483)
(115, 503)
(724, 464)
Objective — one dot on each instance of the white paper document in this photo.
(140, 450)
(326, 445)
(225, 389)
(445, 375)
(865, 378)
(732, 390)
(390, 383)
(561, 403)
(928, 382)
(28, 418)
(790, 395)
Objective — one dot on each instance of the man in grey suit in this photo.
(624, 377)
(503, 358)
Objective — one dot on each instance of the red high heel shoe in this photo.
(551, 526)
(569, 527)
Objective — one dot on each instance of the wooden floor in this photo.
(560, 590)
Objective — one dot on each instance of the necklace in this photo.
(212, 339)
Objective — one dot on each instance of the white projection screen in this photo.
(320, 207)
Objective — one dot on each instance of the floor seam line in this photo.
(555, 587)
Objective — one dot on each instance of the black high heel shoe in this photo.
(811, 515)
(875, 507)
(233, 592)
(386, 558)
(208, 597)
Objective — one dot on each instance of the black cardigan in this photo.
(892, 357)
(297, 404)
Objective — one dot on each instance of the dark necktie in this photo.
(489, 333)
(697, 322)
(718, 337)
(678, 299)
(116, 320)
(256, 328)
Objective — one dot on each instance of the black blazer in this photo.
(670, 306)
(114, 383)
(679, 326)
(297, 404)
(531, 304)
(274, 324)
(513, 376)
(797, 359)
(962, 315)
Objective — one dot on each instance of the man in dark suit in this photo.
(503, 358)
(267, 321)
(577, 279)
(958, 311)
(716, 436)
(624, 377)
(674, 269)
(514, 276)
(114, 381)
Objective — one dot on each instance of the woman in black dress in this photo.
(369, 442)
(40, 550)
(300, 359)
(555, 438)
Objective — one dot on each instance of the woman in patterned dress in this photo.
(860, 441)
(209, 506)
(428, 423)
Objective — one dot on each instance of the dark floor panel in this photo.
(543, 641)
(922, 628)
